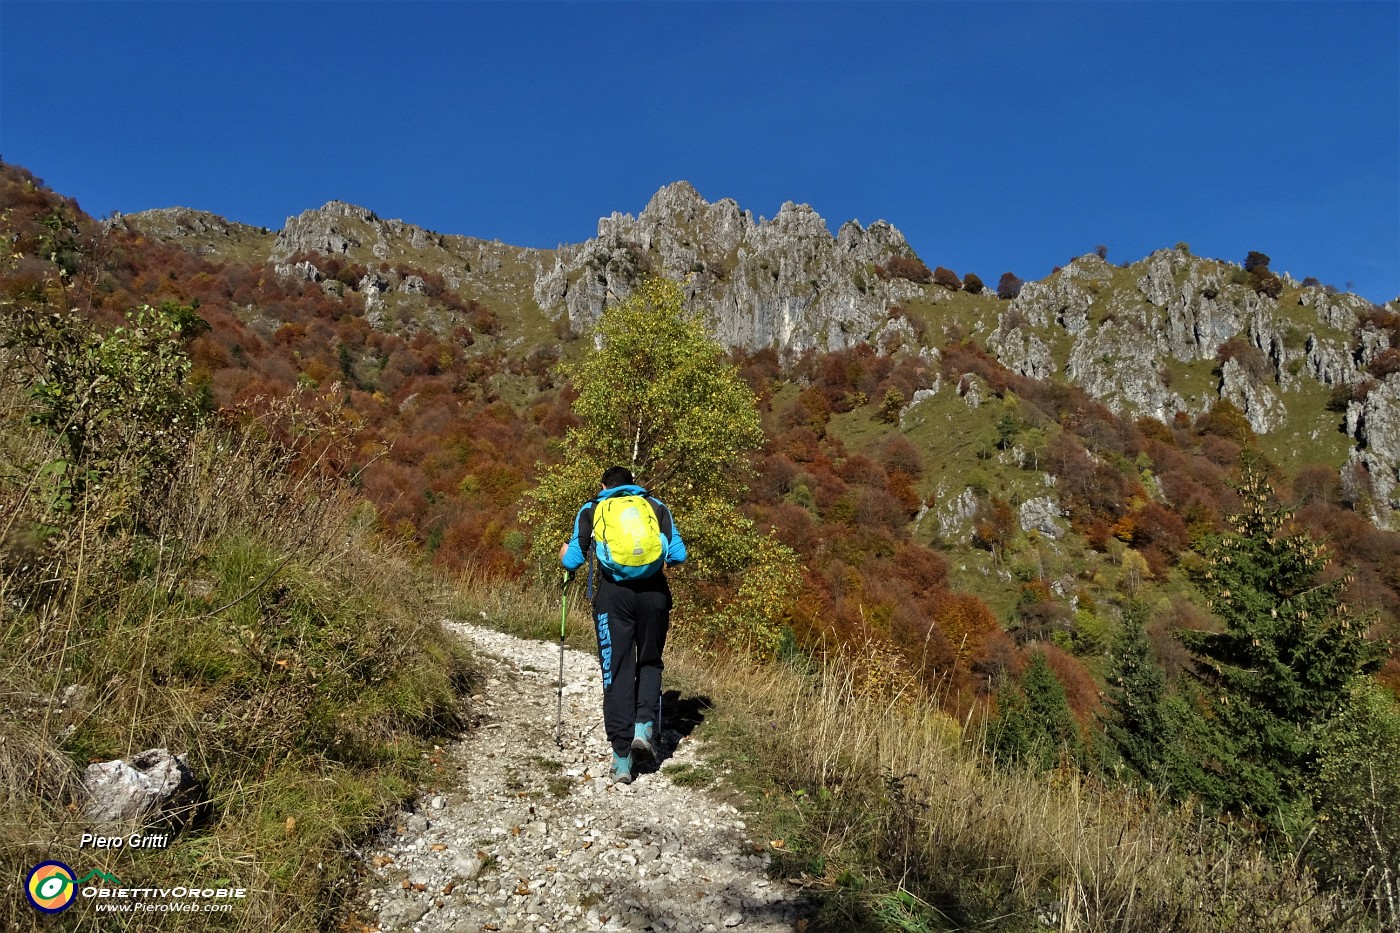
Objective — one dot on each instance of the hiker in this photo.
(634, 539)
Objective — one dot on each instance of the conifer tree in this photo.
(1283, 665)
(1135, 720)
(1161, 736)
(1034, 726)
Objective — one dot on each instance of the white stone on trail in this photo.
(518, 835)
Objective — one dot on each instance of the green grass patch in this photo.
(1313, 435)
(955, 315)
(525, 610)
(688, 775)
(263, 634)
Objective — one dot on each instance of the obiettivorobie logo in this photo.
(51, 886)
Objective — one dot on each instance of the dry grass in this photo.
(890, 809)
(890, 812)
(523, 608)
(247, 617)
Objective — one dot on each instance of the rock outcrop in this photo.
(1377, 429)
(1123, 334)
(1127, 325)
(153, 785)
(200, 232)
(1042, 514)
(1263, 409)
(177, 223)
(1173, 333)
(359, 234)
(785, 282)
(953, 514)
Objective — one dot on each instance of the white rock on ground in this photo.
(149, 785)
(523, 836)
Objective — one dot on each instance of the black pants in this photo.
(631, 620)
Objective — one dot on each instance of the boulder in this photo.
(1252, 396)
(1042, 514)
(1376, 425)
(152, 785)
(920, 396)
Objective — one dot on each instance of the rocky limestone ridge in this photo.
(1375, 422)
(201, 232)
(1122, 333)
(785, 282)
(473, 268)
(359, 234)
(174, 223)
(1181, 308)
(393, 253)
(1117, 331)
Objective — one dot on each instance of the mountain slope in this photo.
(1316, 372)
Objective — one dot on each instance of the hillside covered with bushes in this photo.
(1073, 552)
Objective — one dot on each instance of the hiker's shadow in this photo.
(680, 716)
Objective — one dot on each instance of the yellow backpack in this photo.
(627, 538)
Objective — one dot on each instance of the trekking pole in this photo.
(563, 620)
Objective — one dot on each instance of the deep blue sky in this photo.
(997, 136)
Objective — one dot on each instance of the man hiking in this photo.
(634, 538)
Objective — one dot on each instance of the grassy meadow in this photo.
(248, 618)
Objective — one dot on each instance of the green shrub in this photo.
(1355, 841)
(230, 603)
(660, 397)
(115, 401)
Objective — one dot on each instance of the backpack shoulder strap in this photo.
(663, 515)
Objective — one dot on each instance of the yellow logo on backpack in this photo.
(627, 537)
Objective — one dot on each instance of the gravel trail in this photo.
(523, 836)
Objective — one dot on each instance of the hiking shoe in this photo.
(622, 769)
(643, 736)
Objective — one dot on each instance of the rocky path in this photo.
(523, 836)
